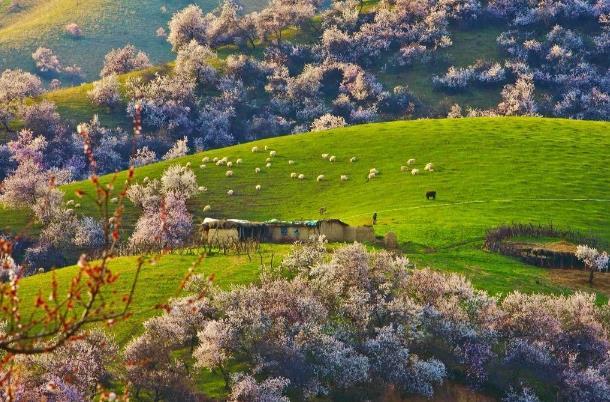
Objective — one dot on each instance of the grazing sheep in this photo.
(272, 153)
(207, 208)
(344, 177)
(188, 164)
(203, 189)
(257, 170)
(229, 173)
(205, 159)
(266, 147)
(268, 165)
(291, 162)
(202, 166)
(220, 162)
(293, 175)
(70, 202)
(410, 161)
(404, 168)
(353, 159)
(268, 160)
(301, 176)
(374, 171)
(215, 159)
(429, 167)
(114, 200)
(258, 187)
(229, 164)
(415, 172)
(371, 175)
(320, 177)
(239, 161)
(332, 158)
(431, 195)
(254, 149)
(230, 192)
(324, 156)
(146, 179)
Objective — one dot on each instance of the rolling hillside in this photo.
(106, 24)
(487, 172)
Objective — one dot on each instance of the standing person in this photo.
(374, 218)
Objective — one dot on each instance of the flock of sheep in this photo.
(373, 172)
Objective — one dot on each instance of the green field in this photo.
(487, 172)
(158, 281)
(106, 24)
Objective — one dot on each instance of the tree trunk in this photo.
(591, 276)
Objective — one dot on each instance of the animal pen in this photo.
(226, 231)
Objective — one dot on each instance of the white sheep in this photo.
(257, 170)
(429, 167)
(293, 175)
(258, 187)
(229, 164)
(410, 161)
(374, 171)
(146, 179)
(344, 177)
(229, 173)
(207, 208)
(372, 175)
(70, 202)
(254, 149)
(215, 159)
(203, 189)
(206, 159)
(230, 193)
(268, 160)
(266, 147)
(301, 176)
(415, 172)
(272, 153)
(333, 158)
(320, 177)
(268, 165)
(291, 162)
(114, 200)
(202, 166)
(353, 159)
(404, 168)
(239, 161)
(220, 162)
(324, 156)
(188, 164)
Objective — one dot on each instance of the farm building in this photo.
(274, 231)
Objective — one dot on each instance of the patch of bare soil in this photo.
(559, 246)
(579, 279)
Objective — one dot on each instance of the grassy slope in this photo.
(158, 282)
(488, 172)
(106, 24)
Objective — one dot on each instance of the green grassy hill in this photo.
(106, 24)
(487, 172)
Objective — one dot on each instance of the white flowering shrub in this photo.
(124, 60)
(179, 149)
(327, 122)
(105, 92)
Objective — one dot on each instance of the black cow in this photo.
(431, 195)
